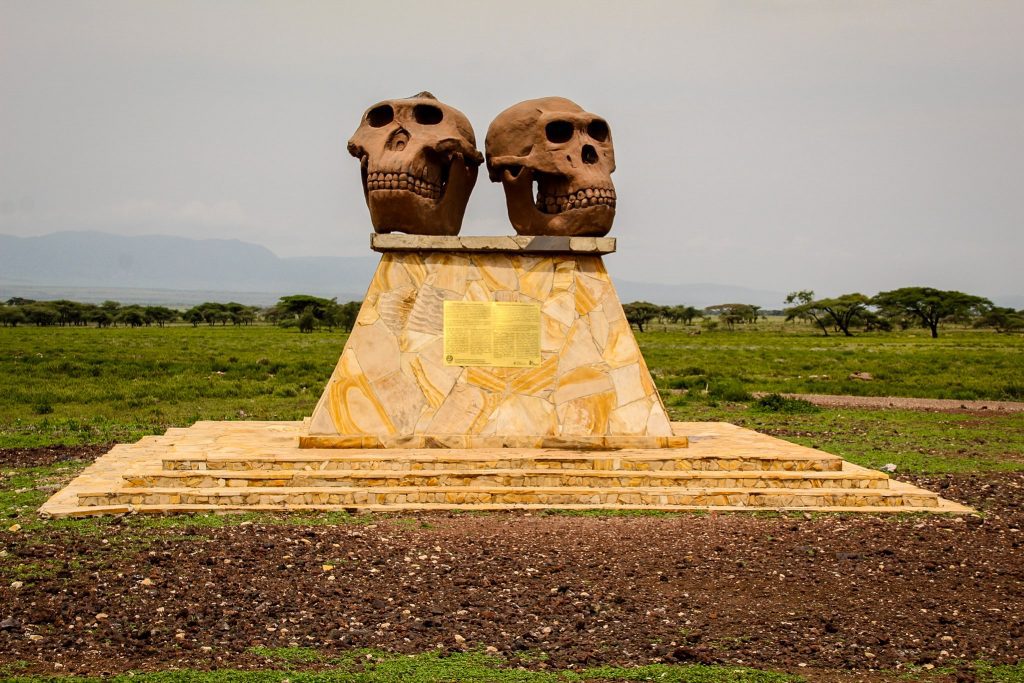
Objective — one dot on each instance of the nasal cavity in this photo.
(398, 140)
(589, 154)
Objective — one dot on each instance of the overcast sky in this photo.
(838, 146)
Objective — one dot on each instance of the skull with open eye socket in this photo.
(419, 164)
(567, 152)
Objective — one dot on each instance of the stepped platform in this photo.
(237, 466)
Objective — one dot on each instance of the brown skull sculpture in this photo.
(419, 163)
(568, 153)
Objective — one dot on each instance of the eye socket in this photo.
(380, 115)
(427, 114)
(598, 130)
(558, 131)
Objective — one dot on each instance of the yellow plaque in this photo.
(491, 334)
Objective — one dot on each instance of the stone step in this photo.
(468, 496)
(944, 507)
(507, 459)
(507, 478)
(252, 466)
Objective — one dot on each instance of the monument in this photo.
(483, 372)
(489, 342)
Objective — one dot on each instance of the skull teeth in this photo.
(401, 180)
(579, 199)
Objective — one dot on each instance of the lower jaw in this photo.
(404, 211)
(589, 221)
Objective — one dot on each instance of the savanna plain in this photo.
(516, 596)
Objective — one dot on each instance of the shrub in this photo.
(777, 403)
(1014, 391)
(727, 390)
(689, 382)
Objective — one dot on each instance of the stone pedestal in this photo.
(392, 387)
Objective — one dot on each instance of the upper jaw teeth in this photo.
(403, 180)
(591, 196)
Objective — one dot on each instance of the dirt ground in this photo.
(826, 596)
(945, 405)
(47, 455)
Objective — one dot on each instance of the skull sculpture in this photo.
(419, 163)
(568, 153)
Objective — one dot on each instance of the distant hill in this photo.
(94, 266)
(76, 261)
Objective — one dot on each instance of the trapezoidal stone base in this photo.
(588, 389)
(239, 466)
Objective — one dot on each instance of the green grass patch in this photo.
(1007, 673)
(918, 442)
(24, 489)
(432, 667)
(780, 358)
(295, 655)
(88, 386)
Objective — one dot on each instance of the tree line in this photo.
(899, 308)
(302, 311)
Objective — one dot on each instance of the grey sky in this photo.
(838, 146)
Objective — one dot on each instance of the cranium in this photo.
(419, 163)
(568, 153)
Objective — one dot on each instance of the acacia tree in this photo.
(680, 314)
(806, 308)
(930, 306)
(132, 316)
(1002, 319)
(307, 321)
(70, 312)
(160, 315)
(41, 314)
(311, 312)
(640, 313)
(731, 314)
(842, 310)
(342, 315)
(845, 309)
(101, 317)
(10, 316)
